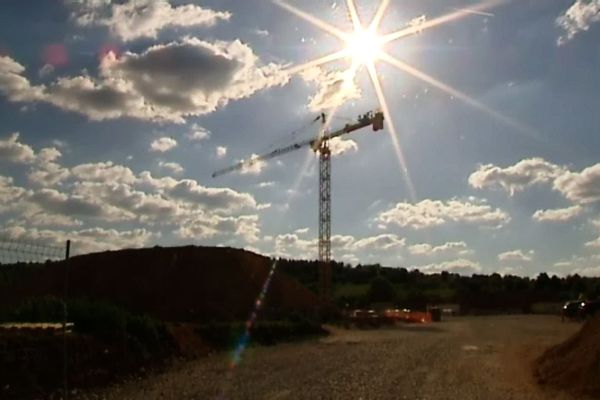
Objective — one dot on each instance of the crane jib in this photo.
(370, 118)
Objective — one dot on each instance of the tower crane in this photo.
(318, 144)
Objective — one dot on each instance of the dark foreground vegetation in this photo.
(133, 310)
(137, 309)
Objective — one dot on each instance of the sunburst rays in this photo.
(369, 61)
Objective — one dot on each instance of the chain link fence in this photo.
(16, 251)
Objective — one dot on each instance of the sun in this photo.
(364, 47)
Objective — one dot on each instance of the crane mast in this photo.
(319, 144)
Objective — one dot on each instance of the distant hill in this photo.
(174, 284)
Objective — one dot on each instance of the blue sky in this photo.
(115, 114)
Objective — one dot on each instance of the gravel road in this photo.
(461, 358)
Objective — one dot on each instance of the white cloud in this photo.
(44, 171)
(46, 70)
(579, 17)
(342, 246)
(191, 77)
(14, 151)
(335, 88)
(460, 266)
(379, 243)
(515, 178)
(558, 215)
(214, 199)
(428, 213)
(14, 86)
(221, 151)
(167, 82)
(173, 167)
(203, 227)
(83, 241)
(261, 32)
(135, 19)
(339, 146)
(580, 187)
(198, 133)
(425, 249)
(9, 193)
(163, 144)
(103, 172)
(594, 243)
(252, 166)
(516, 256)
(266, 184)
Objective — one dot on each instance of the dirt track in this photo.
(463, 358)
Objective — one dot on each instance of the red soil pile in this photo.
(574, 365)
(198, 284)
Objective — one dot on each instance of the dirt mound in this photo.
(199, 284)
(575, 364)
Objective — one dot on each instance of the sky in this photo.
(115, 114)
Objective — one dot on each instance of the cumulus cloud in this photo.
(203, 227)
(380, 242)
(342, 246)
(109, 193)
(12, 83)
(103, 172)
(577, 18)
(173, 167)
(266, 184)
(580, 187)
(166, 83)
(558, 215)
(82, 241)
(460, 266)
(216, 199)
(9, 193)
(339, 146)
(14, 151)
(334, 88)
(428, 213)
(594, 243)
(515, 178)
(135, 19)
(163, 145)
(426, 249)
(252, 166)
(192, 77)
(516, 256)
(198, 133)
(44, 170)
(221, 151)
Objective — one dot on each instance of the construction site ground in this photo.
(460, 358)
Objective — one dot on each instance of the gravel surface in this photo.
(461, 358)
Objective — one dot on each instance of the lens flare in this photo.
(240, 348)
(56, 55)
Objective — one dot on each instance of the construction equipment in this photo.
(318, 144)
